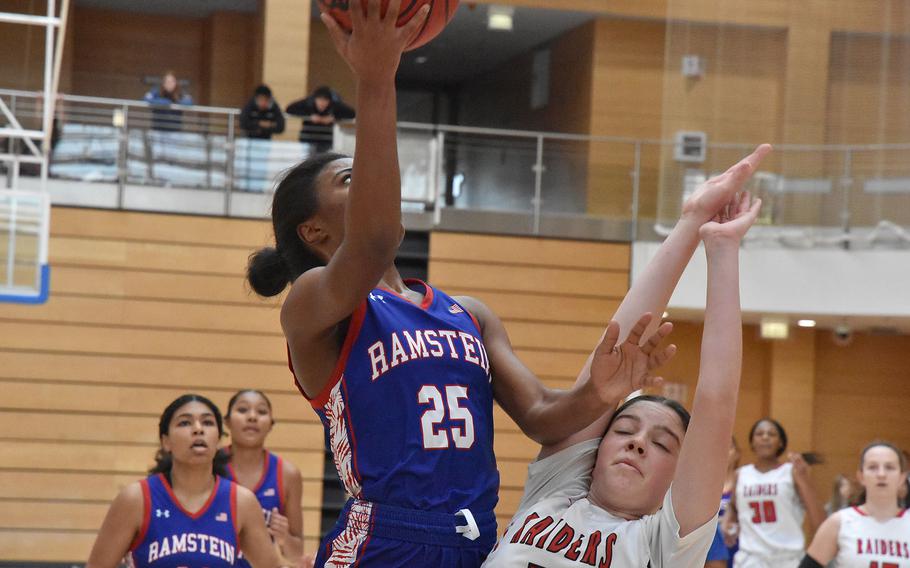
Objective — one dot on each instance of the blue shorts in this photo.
(718, 550)
(371, 535)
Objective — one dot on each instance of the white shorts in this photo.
(745, 559)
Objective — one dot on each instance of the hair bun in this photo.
(267, 272)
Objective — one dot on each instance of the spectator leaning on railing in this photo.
(320, 110)
(166, 94)
(262, 117)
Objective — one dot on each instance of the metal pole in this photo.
(636, 181)
(229, 166)
(48, 91)
(538, 184)
(123, 155)
(845, 184)
(440, 173)
(11, 243)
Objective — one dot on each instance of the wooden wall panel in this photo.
(143, 307)
(541, 288)
(285, 51)
(114, 51)
(861, 396)
(326, 67)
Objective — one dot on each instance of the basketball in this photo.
(441, 12)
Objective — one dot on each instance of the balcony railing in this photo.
(129, 154)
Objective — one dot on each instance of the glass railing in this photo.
(196, 159)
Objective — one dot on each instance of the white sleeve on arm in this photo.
(668, 550)
(567, 473)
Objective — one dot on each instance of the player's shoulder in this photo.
(477, 308)
(132, 494)
(290, 471)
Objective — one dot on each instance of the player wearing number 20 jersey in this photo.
(770, 515)
(409, 411)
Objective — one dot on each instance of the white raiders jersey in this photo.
(556, 526)
(864, 542)
(769, 510)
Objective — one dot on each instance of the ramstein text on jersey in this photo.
(191, 542)
(423, 344)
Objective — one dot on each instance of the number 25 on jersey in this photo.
(436, 437)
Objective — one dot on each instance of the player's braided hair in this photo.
(163, 460)
(271, 269)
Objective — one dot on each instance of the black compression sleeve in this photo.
(809, 562)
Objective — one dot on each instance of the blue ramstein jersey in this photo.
(171, 537)
(269, 490)
(409, 406)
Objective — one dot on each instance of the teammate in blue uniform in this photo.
(402, 375)
(277, 483)
(184, 514)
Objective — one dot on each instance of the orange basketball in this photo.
(441, 11)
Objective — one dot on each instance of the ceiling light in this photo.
(806, 323)
(500, 17)
(774, 329)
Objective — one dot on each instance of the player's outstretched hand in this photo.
(713, 196)
(732, 222)
(619, 370)
(373, 48)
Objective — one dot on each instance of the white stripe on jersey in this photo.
(769, 510)
(862, 541)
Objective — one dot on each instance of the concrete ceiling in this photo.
(467, 48)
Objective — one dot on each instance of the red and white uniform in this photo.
(556, 526)
(864, 542)
(770, 516)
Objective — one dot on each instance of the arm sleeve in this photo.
(246, 121)
(668, 549)
(343, 111)
(279, 120)
(303, 107)
(809, 562)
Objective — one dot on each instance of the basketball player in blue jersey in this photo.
(185, 514)
(402, 375)
(276, 483)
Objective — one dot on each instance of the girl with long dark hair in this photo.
(185, 513)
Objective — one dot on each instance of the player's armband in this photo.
(809, 562)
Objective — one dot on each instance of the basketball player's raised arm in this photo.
(254, 540)
(549, 415)
(120, 527)
(699, 478)
(322, 297)
(651, 291)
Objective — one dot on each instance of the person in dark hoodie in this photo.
(262, 117)
(320, 110)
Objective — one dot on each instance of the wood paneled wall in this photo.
(554, 296)
(143, 308)
(861, 395)
(113, 51)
